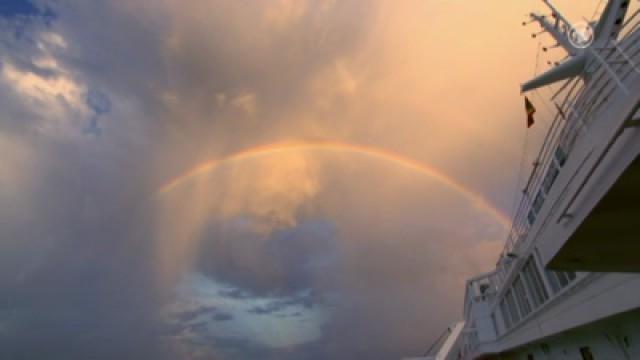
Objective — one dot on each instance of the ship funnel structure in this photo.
(577, 40)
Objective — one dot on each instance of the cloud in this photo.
(74, 257)
(18, 8)
(222, 317)
(245, 102)
(289, 255)
(234, 318)
(284, 12)
(261, 197)
(49, 91)
(272, 190)
(287, 263)
(188, 316)
(235, 293)
(282, 305)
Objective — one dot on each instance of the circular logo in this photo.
(581, 35)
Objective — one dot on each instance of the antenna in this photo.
(547, 48)
(555, 13)
(557, 29)
(577, 40)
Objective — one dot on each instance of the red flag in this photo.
(528, 106)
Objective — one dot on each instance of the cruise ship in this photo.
(567, 284)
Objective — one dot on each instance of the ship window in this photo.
(505, 314)
(567, 277)
(560, 279)
(553, 281)
(494, 322)
(586, 354)
(563, 278)
(521, 294)
(552, 174)
(545, 348)
(561, 156)
(511, 305)
(538, 201)
(535, 284)
(531, 217)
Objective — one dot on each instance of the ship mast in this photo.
(578, 43)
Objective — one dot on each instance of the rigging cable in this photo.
(537, 93)
(595, 12)
(523, 155)
(517, 190)
(547, 107)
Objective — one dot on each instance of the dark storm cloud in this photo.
(238, 348)
(286, 263)
(24, 8)
(200, 327)
(76, 275)
(167, 85)
(74, 284)
(306, 300)
(222, 317)
(12, 8)
(187, 316)
(203, 313)
(18, 44)
(235, 293)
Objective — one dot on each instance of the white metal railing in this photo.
(580, 103)
(577, 103)
(480, 288)
(581, 100)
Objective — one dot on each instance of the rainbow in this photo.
(334, 146)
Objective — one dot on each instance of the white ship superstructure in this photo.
(567, 285)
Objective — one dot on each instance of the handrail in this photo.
(635, 26)
(578, 106)
(519, 227)
(605, 152)
(561, 197)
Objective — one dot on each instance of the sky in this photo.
(274, 179)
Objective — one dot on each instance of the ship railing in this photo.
(581, 101)
(483, 288)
